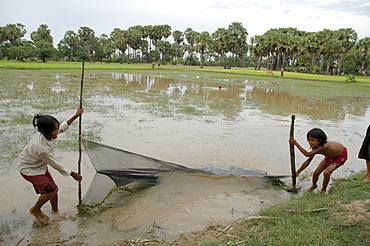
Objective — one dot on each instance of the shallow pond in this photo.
(193, 121)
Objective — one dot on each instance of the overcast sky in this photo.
(257, 16)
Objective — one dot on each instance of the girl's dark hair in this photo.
(45, 124)
(319, 135)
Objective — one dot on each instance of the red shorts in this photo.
(43, 184)
(339, 160)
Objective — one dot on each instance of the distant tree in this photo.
(347, 38)
(68, 45)
(203, 41)
(238, 40)
(362, 51)
(2, 40)
(191, 37)
(220, 43)
(310, 44)
(120, 40)
(14, 32)
(164, 48)
(134, 39)
(44, 50)
(155, 34)
(88, 42)
(42, 34)
(24, 49)
(43, 42)
(258, 50)
(352, 63)
(107, 46)
(165, 31)
(178, 37)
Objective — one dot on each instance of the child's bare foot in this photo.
(324, 192)
(311, 188)
(366, 179)
(40, 216)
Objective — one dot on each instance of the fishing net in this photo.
(117, 167)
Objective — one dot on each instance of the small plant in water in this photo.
(351, 78)
(4, 228)
(86, 210)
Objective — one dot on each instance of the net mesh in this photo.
(117, 167)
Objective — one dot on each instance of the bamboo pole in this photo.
(80, 136)
(292, 155)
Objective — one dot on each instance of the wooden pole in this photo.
(80, 136)
(292, 155)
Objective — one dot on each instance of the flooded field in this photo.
(194, 121)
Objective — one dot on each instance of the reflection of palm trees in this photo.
(281, 102)
(171, 94)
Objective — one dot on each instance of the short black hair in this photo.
(45, 124)
(319, 135)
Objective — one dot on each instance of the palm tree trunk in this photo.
(278, 61)
(321, 63)
(327, 72)
(312, 63)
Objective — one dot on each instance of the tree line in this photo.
(323, 52)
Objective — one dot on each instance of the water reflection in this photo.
(234, 95)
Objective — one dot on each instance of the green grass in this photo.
(38, 65)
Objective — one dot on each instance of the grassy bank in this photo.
(38, 65)
(340, 218)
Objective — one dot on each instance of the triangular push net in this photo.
(117, 167)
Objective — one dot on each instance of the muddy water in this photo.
(189, 121)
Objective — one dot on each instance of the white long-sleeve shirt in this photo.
(39, 153)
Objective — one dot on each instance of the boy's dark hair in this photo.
(45, 124)
(319, 135)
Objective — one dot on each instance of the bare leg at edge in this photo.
(36, 209)
(367, 177)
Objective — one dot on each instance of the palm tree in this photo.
(88, 41)
(191, 37)
(163, 48)
(258, 49)
(2, 40)
(220, 43)
(14, 32)
(119, 39)
(134, 39)
(43, 42)
(363, 52)
(107, 45)
(238, 40)
(347, 38)
(155, 34)
(42, 34)
(203, 41)
(70, 43)
(178, 37)
(329, 46)
(165, 31)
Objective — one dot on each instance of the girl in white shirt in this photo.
(37, 155)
